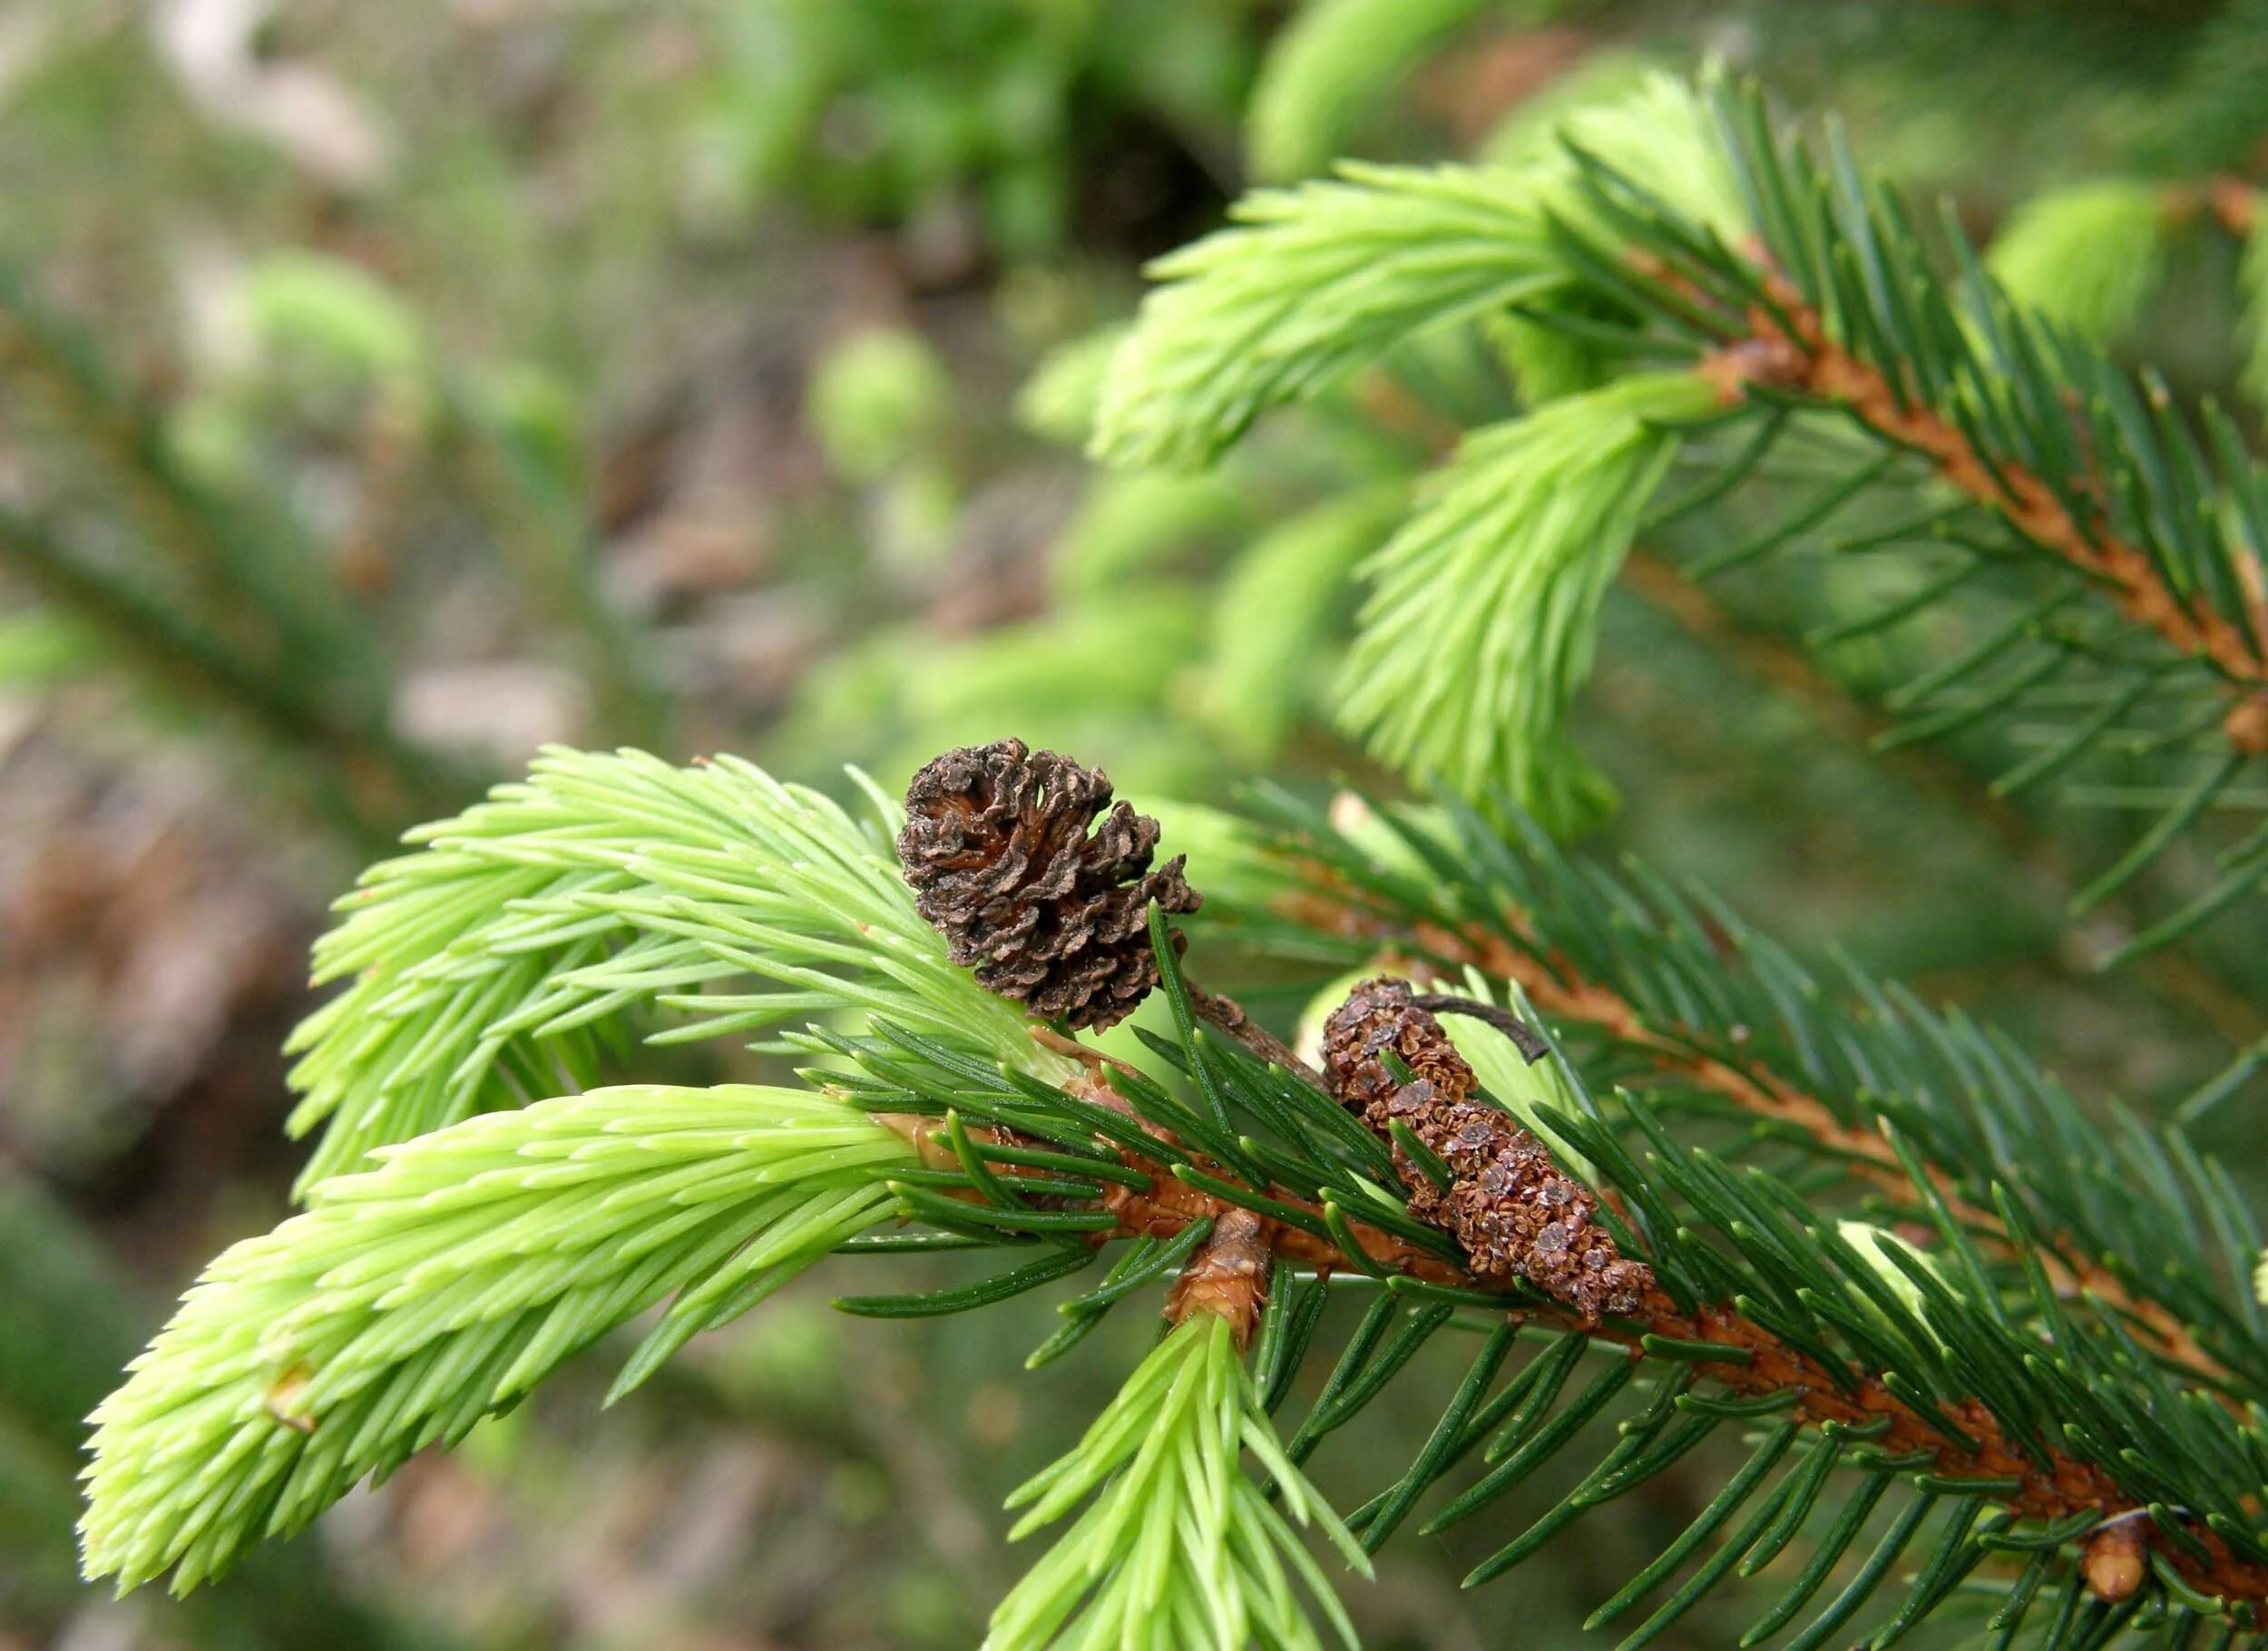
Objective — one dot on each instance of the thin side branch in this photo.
(1770, 659)
(1797, 353)
(1228, 1276)
(2231, 201)
(1229, 1015)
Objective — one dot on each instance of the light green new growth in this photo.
(1329, 67)
(1315, 280)
(1895, 1262)
(1058, 402)
(1528, 130)
(1132, 522)
(1483, 617)
(877, 400)
(1322, 277)
(415, 1298)
(1180, 1548)
(504, 961)
(1226, 857)
(1650, 127)
(2088, 256)
(338, 310)
(2253, 277)
(1530, 1090)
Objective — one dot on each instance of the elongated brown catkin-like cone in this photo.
(1516, 1213)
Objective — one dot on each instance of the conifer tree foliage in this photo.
(1949, 1347)
(1943, 1346)
(1678, 284)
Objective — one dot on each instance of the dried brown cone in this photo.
(1516, 1213)
(997, 848)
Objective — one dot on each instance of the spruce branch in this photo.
(1681, 992)
(2089, 256)
(1317, 280)
(1885, 1420)
(413, 1299)
(1944, 1369)
(1763, 652)
(199, 591)
(1528, 525)
(1314, 280)
(2125, 541)
(1935, 1370)
(2067, 465)
(382, 780)
(1789, 348)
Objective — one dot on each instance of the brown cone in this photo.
(997, 850)
(1508, 1204)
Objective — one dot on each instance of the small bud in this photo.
(2246, 725)
(2113, 1563)
(286, 1396)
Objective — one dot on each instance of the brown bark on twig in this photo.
(1228, 1275)
(1229, 1015)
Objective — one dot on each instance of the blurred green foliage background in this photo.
(385, 390)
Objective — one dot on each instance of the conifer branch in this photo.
(382, 778)
(1764, 1338)
(1179, 1544)
(518, 943)
(1788, 349)
(414, 1297)
(1748, 1027)
(1769, 658)
(412, 1300)
(1869, 1155)
(1749, 1361)
(1958, 1445)
(1679, 236)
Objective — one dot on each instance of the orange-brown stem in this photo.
(2231, 201)
(1229, 1015)
(1230, 1273)
(1228, 1276)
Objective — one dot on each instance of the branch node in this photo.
(1228, 1276)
